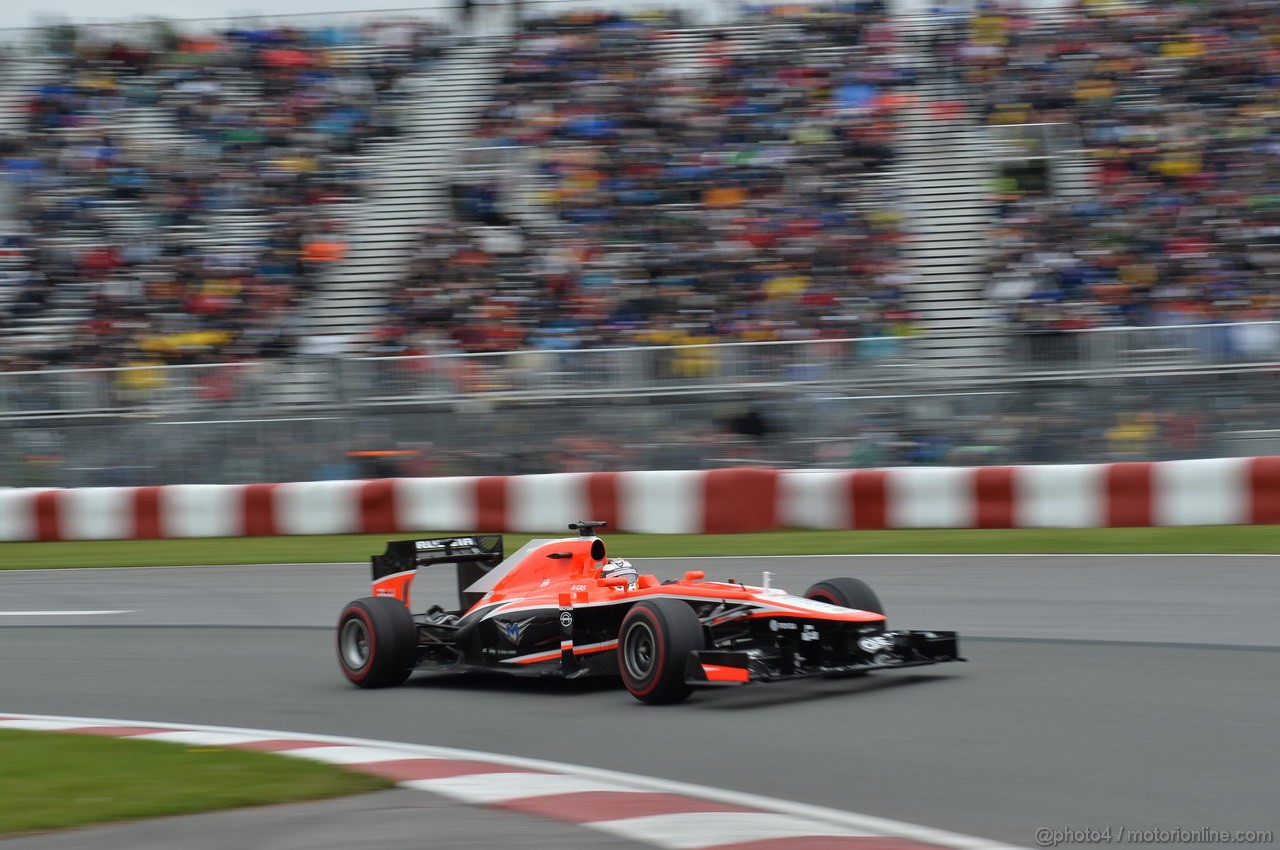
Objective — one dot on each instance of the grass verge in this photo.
(51, 781)
(1240, 539)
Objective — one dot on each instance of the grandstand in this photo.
(1174, 104)
(326, 218)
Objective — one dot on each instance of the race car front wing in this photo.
(887, 650)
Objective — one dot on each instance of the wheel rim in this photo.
(353, 643)
(640, 650)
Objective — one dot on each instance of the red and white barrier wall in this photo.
(1222, 491)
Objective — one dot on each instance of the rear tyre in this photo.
(847, 593)
(377, 642)
(654, 643)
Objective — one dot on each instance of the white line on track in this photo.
(60, 613)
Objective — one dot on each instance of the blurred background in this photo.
(516, 237)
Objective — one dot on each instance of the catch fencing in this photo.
(851, 363)
(869, 402)
(448, 377)
(1219, 346)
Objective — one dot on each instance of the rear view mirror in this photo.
(694, 575)
(612, 582)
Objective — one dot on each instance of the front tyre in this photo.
(847, 593)
(654, 644)
(377, 642)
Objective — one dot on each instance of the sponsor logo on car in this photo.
(455, 542)
(875, 644)
(513, 630)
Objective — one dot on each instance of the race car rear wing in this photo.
(474, 555)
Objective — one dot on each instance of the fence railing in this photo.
(193, 388)
(232, 389)
(1148, 349)
(228, 389)
(614, 371)
(1021, 142)
(921, 417)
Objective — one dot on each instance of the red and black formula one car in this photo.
(564, 608)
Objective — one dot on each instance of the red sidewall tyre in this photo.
(360, 674)
(654, 646)
(644, 685)
(377, 642)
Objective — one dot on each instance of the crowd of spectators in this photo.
(179, 188)
(1176, 110)
(692, 186)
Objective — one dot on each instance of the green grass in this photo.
(355, 547)
(51, 781)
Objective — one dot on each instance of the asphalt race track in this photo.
(1136, 692)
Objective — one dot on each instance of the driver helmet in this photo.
(621, 568)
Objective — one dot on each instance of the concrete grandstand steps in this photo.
(149, 126)
(20, 75)
(62, 314)
(945, 172)
(953, 166)
(1074, 175)
(966, 327)
(945, 226)
(406, 185)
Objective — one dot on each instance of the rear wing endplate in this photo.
(473, 554)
